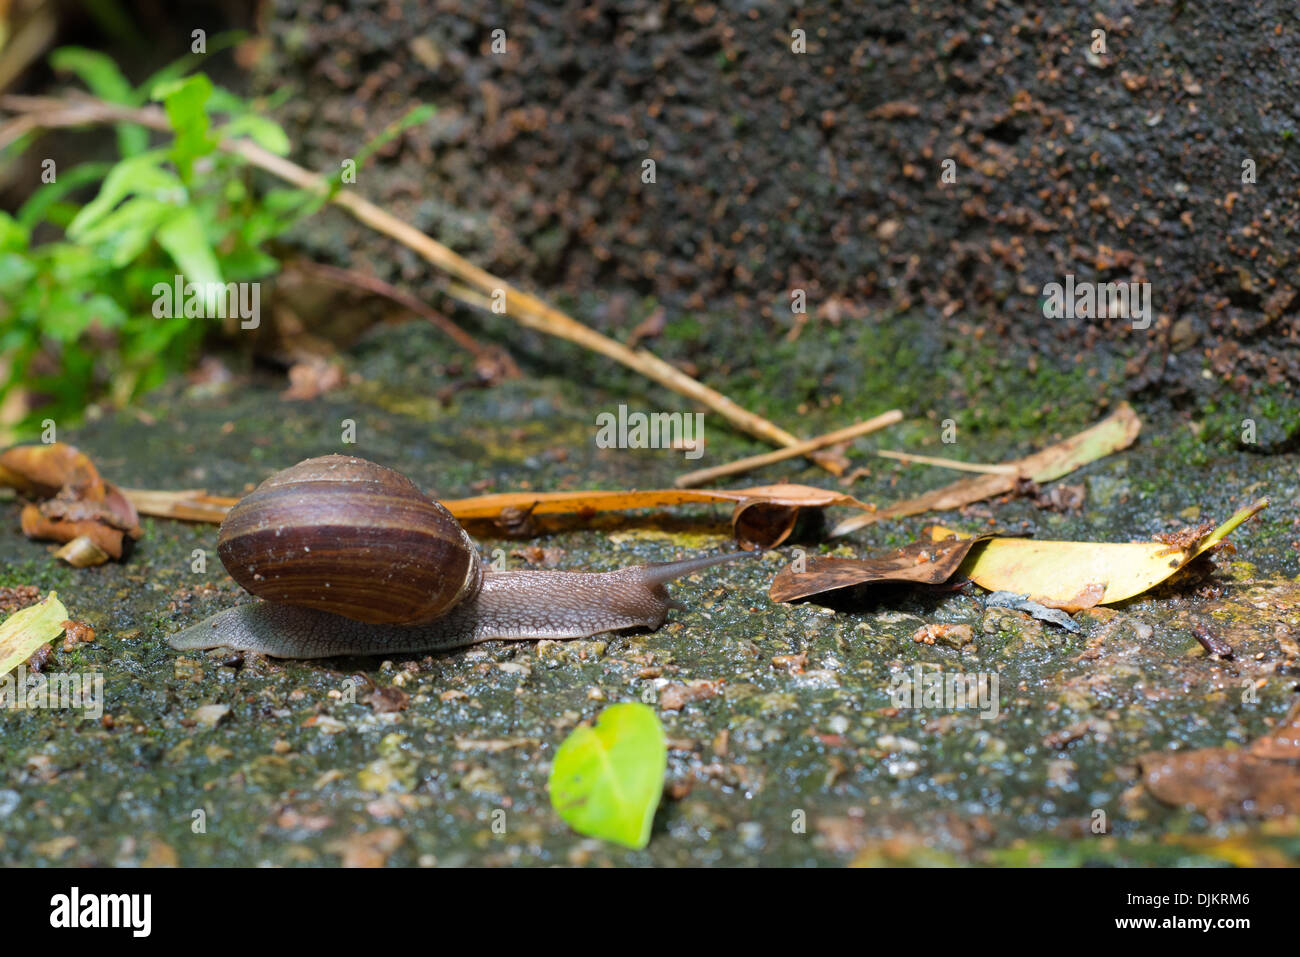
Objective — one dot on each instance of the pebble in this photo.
(210, 715)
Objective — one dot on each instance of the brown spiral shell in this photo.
(347, 536)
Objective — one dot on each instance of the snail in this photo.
(350, 557)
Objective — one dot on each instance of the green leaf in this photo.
(142, 175)
(106, 310)
(13, 234)
(246, 264)
(15, 271)
(185, 102)
(279, 211)
(185, 241)
(265, 133)
(223, 101)
(96, 70)
(64, 318)
(129, 228)
(607, 780)
(69, 264)
(40, 202)
(105, 80)
(26, 630)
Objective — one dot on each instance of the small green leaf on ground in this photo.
(26, 630)
(607, 779)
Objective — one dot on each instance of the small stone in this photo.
(893, 743)
(215, 753)
(903, 769)
(387, 699)
(481, 781)
(954, 636)
(187, 669)
(676, 696)
(210, 715)
(325, 724)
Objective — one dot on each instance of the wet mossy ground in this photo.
(773, 762)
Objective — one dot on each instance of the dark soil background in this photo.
(821, 171)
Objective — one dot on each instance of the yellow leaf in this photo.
(1059, 571)
(26, 630)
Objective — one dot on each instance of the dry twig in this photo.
(910, 459)
(494, 361)
(701, 476)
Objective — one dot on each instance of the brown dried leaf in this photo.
(40, 471)
(312, 378)
(1284, 743)
(1262, 780)
(368, 849)
(763, 524)
(922, 562)
(649, 328)
(894, 109)
(387, 699)
(674, 697)
(191, 505)
(36, 525)
(577, 502)
(81, 504)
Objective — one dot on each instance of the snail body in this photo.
(351, 558)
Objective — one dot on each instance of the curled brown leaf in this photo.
(75, 502)
(1262, 780)
(922, 562)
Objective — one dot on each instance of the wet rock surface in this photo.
(822, 171)
(787, 742)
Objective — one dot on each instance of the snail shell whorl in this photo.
(347, 536)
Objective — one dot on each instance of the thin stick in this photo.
(488, 356)
(960, 466)
(702, 476)
(194, 505)
(31, 39)
(526, 309)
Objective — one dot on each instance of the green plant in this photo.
(78, 312)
